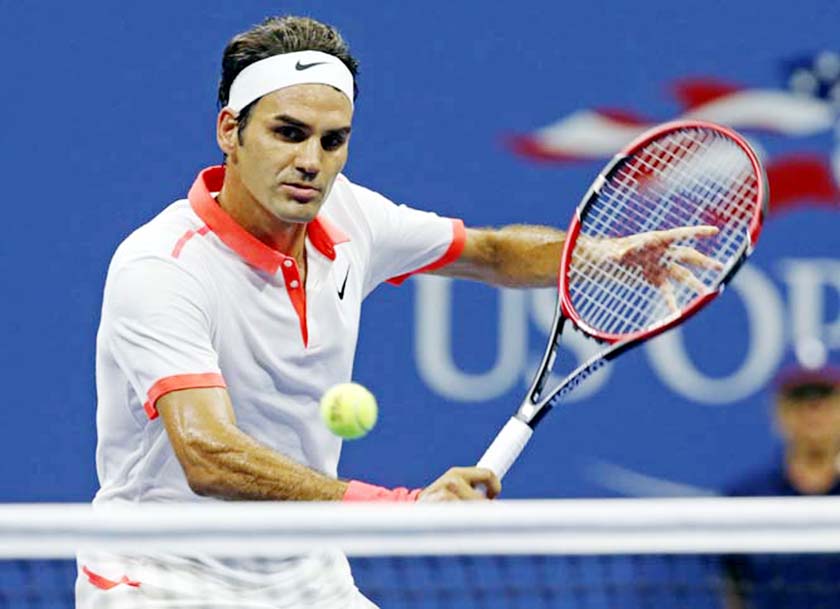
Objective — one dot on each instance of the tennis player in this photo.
(227, 316)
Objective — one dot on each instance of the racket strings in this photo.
(668, 215)
(645, 306)
(653, 221)
(629, 187)
(736, 208)
(689, 178)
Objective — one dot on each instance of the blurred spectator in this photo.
(807, 418)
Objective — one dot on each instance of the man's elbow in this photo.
(202, 482)
(203, 467)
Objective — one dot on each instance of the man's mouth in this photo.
(303, 193)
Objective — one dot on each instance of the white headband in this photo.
(281, 71)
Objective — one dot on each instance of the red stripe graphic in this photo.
(624, 117)
(694, 92)
(176, 251)
(103, 583)
(801, 180)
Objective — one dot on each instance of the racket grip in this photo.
(506, 447)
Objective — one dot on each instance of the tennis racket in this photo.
(641, 255)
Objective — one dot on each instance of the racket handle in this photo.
(506, 447)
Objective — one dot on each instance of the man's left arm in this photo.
(517, 256)
(527, 256)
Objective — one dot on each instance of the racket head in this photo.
(679, 174)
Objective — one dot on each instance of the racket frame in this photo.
(515, 434)
(573, 232)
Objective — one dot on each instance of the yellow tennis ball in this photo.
(349, 410)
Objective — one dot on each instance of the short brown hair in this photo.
(275, 36)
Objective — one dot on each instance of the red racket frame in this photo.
(573, 232)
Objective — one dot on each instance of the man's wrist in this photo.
(362, 491)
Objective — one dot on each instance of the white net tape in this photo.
(708, 553)
(629, 526)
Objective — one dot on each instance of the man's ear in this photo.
(227, 128)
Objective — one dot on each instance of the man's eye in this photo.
(332, 142)
(293, 134)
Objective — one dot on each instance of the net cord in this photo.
(616, 526)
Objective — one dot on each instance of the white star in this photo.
(803, 81)
(827, 65)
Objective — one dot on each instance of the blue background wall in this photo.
(108, 112)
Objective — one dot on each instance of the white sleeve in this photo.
(405, 241)
(157, 326)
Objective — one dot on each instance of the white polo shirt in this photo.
(193, 300)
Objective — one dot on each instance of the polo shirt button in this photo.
(294, 283)
(287, 263)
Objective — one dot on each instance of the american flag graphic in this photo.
(807, 106)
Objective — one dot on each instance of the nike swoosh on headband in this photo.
(305, 66)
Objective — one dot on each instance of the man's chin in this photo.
(297, 213)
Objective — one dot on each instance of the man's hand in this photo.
(460, 484)
(657, 257)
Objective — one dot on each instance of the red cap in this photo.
(796, 376)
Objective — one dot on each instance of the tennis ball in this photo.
(349, 410)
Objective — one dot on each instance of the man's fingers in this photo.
(480, 476)
(451, 487)
(472, 474)
(667, 291)
(431, 495)
(689, 255)
(684, 232)
(683, 275)
(468, 483)
(467, 491)
(491, 484)
(660, 260)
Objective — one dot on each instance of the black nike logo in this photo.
(305, 66)
(344, 285)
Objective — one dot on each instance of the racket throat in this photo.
(532, 410)
(547, 363)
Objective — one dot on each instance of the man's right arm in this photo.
(220, 460)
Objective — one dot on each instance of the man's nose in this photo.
(308, 160)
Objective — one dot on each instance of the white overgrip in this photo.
(506, 447)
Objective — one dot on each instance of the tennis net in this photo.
(611, 554)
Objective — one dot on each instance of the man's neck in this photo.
(285, 237)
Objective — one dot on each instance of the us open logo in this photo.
(783, 307)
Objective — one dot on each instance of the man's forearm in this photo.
(232, 465)
(517, 256)
(528, 256)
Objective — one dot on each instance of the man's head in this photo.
(808, 408)
(286, 142)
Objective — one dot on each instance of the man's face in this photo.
(291, 150)
(812, 418)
